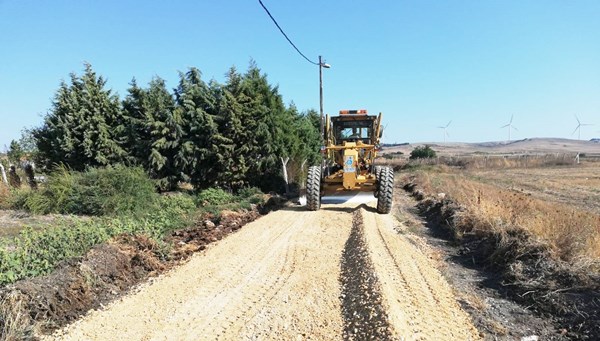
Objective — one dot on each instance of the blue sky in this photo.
(421, 63)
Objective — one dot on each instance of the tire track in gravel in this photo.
(273, 279)
(227, 299)
(419, 302)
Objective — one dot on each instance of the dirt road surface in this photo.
(343, 272)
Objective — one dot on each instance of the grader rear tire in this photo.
(313, 188)
(386, 190)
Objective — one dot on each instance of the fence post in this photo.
(3, 174)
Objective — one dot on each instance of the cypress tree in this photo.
(300, 142)
(153, 131)
(84, 127)
(15, 152)
(231, 141)
(102, 121)
(307, 127)
(259, 120)
(196, 156)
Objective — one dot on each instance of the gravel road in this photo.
(343, 272)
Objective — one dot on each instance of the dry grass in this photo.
(15, 323)
(496, 328)
(572, 233)
(4, 196)
(515, 161)
(475, 301)
(491, 161)
(574, 186)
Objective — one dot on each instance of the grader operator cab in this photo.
(351, 142)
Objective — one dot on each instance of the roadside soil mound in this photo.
(527, 271)
(190, 240)
(106, 272)
(82, 284)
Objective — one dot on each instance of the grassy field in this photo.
(558, 205)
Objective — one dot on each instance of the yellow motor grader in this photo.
(351, 142)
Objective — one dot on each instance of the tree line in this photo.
(230, 135)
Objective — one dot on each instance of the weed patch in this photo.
(34, 253)
(97, 192)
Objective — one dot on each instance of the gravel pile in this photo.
(364, 315)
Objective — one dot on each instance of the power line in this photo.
(285, 35)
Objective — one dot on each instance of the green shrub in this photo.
(422, 152)
(242, 205)
(214, 196)
(17, 198)
(394, 155)
(112, 191)
(251, 195)
(249, 192)
(97, 191)
(59, 194)
(214, 200)
(257, 200)
(178, 203)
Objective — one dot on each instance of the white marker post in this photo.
(3, 174)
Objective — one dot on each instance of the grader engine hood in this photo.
(351, 169)
(350, 157)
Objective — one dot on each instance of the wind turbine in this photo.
(510, 126)
(578, 128)
(445, 132)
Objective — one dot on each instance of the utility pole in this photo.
(321, 66)
(321, 94)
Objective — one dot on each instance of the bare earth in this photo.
(280, 278)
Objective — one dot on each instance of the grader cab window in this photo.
(353, 131)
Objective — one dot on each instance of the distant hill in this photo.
(531, 145)
(387, 145)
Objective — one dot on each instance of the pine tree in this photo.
(229, 135)
(56, 138)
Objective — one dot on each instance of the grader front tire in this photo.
(313, 188)
(386, 190)
(377, 171)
